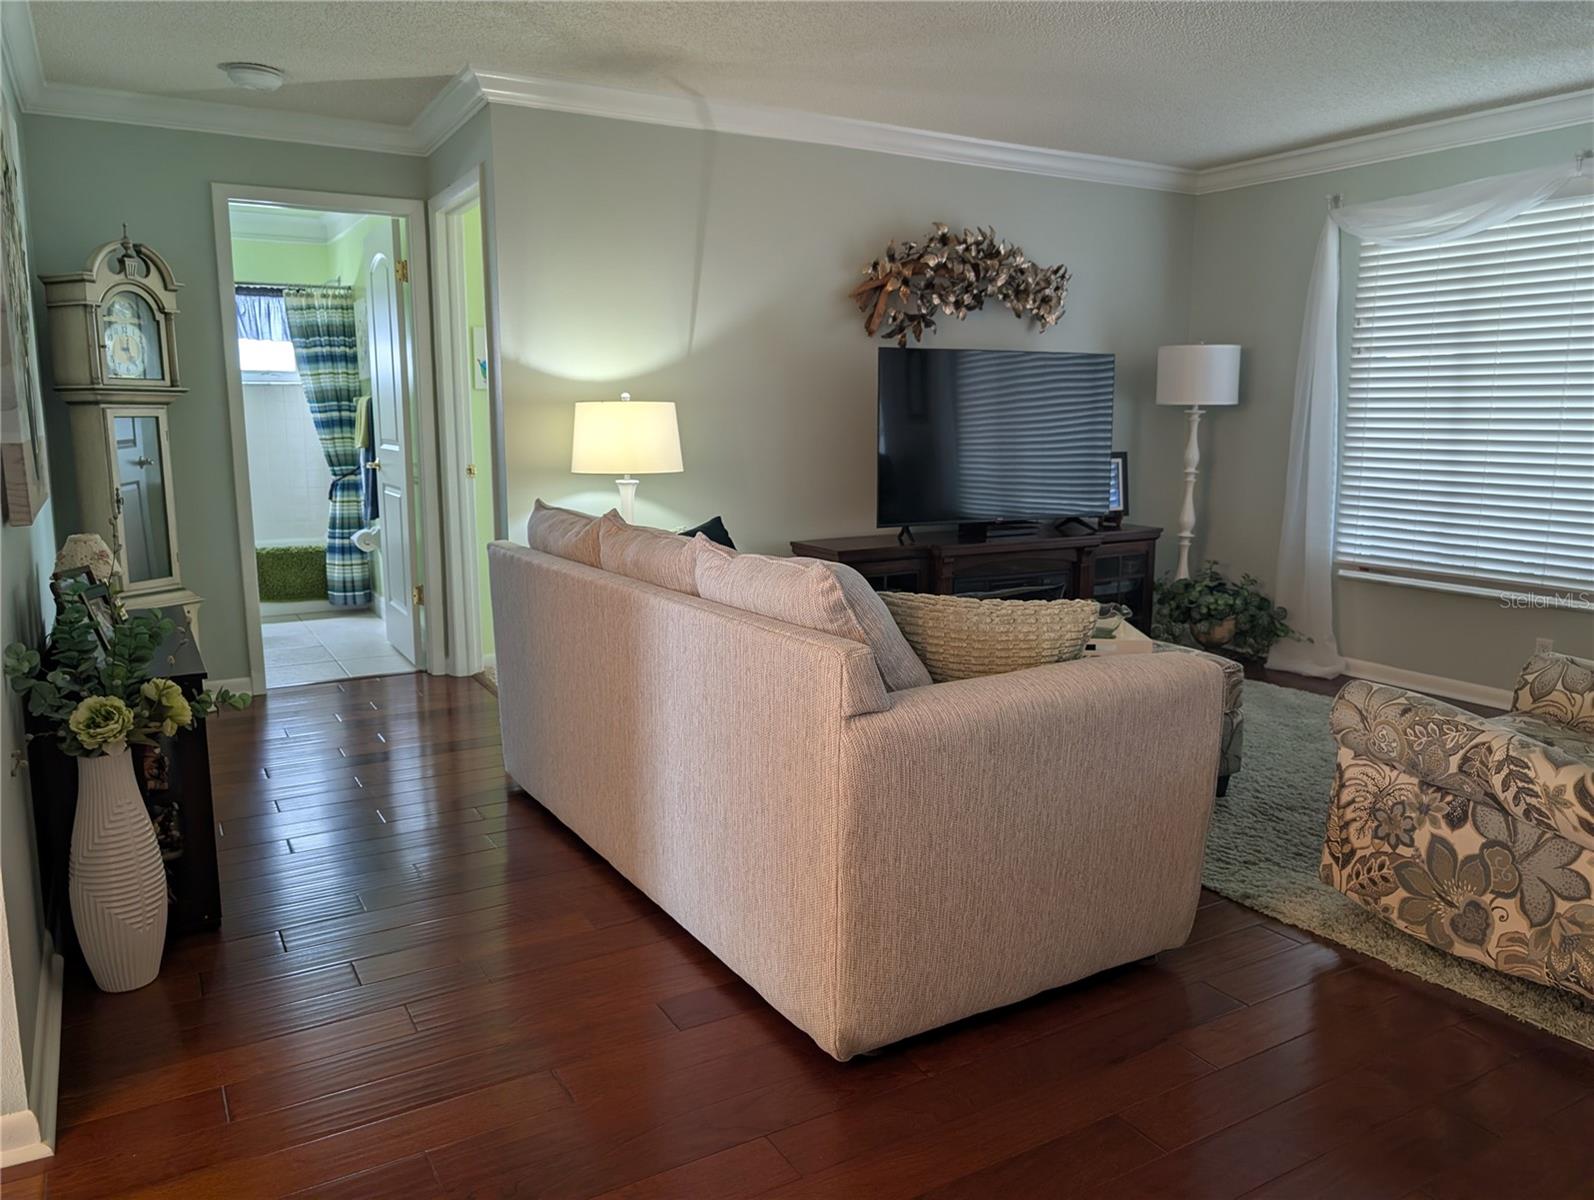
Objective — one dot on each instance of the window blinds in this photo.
(1468, 442)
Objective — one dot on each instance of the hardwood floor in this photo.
(426, 987)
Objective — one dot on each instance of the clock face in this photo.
(131, 338)
(125, 351)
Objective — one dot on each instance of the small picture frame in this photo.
(1118, 486)
(60, 580)
(93, 595)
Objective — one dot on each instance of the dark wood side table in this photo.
(174, 779)
(1110, 565)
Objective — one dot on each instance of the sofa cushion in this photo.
(564, 533)
(959, 637)
(714, 530)
(829, 597)
(654, 556)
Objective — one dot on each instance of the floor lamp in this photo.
(1194, 378)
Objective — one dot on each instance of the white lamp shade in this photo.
(624, 437)
(1198, 376)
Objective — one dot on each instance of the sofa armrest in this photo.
(1467, 755)
(1558, 688)
(1004, 835)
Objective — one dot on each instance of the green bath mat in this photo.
(291, 573)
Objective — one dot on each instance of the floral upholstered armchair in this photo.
(1474, 834)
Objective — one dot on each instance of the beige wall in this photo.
(712, 270)
(1253, 257)
(161, 188)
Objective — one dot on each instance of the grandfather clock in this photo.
(114, 345)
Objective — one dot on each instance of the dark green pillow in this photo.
(714, 530)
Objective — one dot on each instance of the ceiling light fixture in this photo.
(257, 77)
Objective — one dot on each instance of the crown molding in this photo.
(303, 226)
(694, 112)
(460, 100)
(467, 92)
(1447, 133)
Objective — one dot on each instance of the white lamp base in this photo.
(1192, 460)
(627, 488)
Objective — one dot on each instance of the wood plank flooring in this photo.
(426, 987)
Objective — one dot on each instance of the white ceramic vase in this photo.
(116, 883)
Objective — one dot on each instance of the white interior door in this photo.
(390, 410)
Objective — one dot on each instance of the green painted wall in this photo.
(480, 414)
(161, 188)
(281, 262)
(713, 269)
(1253, 258)
(27, 556)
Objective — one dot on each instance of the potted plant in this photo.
(96, 694)
(1236, 619)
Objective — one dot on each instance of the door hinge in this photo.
(470, 470)
(401, 270)
(417, 595)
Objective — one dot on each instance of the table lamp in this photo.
(623, 437)
(1195, 377)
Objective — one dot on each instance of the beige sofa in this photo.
(874, 863)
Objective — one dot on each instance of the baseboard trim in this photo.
(1437, 686)
(242, 684)
(30, 1134)
(297, 608)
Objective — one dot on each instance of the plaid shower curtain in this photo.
(321, 325)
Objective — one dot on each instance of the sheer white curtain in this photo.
(1303, 581)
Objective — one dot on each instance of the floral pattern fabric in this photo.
(1232, 737)
(1476, 835)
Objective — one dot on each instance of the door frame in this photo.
(462, 581)
(430, 653)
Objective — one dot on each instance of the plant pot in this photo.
(116, 882)
(1213, 634)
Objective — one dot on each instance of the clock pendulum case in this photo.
(114, 346)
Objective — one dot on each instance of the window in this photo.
(264, 348)
(1468, 443)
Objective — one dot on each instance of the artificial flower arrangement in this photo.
(99, 698)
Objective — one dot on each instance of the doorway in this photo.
(326, 383)
(470, 418)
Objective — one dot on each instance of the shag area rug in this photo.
(1263, 850)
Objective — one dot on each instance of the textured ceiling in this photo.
(1186, 84)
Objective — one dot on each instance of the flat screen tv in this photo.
(983, 436)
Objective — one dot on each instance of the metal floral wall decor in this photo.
(953, 275)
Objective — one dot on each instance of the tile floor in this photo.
(320, 649)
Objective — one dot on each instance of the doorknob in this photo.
(374, 465)
(143, 462)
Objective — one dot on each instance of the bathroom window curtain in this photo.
(321, 326)
(1304, 579)
(262, 314)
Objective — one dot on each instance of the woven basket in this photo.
(958, 637)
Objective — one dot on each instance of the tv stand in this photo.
(985, 531)
(1110, 565)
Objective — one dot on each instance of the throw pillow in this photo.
(714, 530)
(651, 555)
(959, 637)
(563, 532)
(829, 597)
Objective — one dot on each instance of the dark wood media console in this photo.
(1109, 565)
